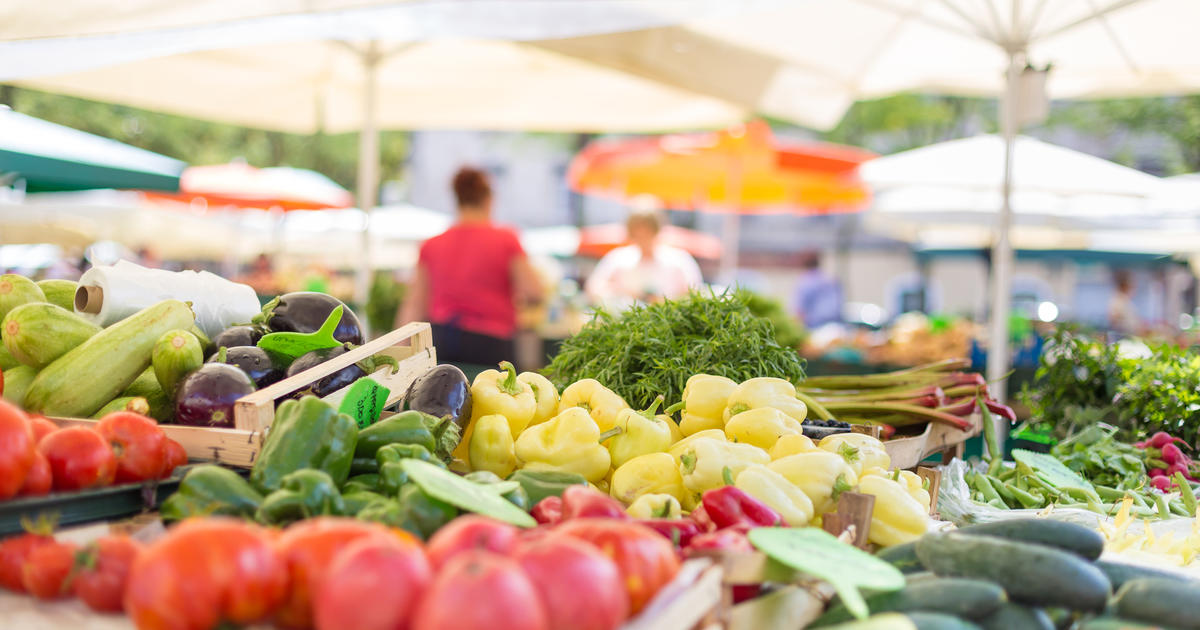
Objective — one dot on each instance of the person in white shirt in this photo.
(644, 271)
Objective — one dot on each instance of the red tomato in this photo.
(395, 565)
(102, 570)
(203, 572)
(80, 458)
(139, 445)
(580, 587)
(307, 549)
(471, 532)
(176, 456)
(647, 561)
(13, 553)
(16, 449)
(47, 568)
(41, 427)
(38, 481)
(479, 590)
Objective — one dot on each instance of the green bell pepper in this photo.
(517, 497)
(413, 511)
(306, 433)
(207, 490)
(368, 482)
(364, 466)
(407, 427)
(391, 474)
(304, 494)
(359, 499)
(539, 484)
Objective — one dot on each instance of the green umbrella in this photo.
(50, 157)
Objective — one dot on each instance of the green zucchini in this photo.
(1119, 573)
(972, 599)
(38, 333)
(1116, 623)
(1010, 616)
(16, 383)
(16, 290)
(162, 408)
(1166, 601)
(7, 360)
(907, 621)
(136, 404)
(1031, 574)
(206, 344)
(1079, 540)
(175, 354)
(903, 557)
(81, 381)
(59, 292)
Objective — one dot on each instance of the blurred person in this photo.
(1122, 314)
(645, 270)
(261, 276)
(818, 298)
(470, 280)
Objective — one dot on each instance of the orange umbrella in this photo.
(243, 186)
(597, 240)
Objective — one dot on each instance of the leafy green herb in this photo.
(649, 351)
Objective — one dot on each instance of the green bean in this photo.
(1026, 499)
(1161, 501)
(984, 486)
(1001, 490)
(1179, 509)
(1185, 492)
(998, 503)
(1110, 494)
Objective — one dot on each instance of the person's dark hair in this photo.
(471, 187)
(810, 260)
(1124, 280)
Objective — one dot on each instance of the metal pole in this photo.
(368, 168)
(1002, 253)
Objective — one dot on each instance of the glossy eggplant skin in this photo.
(442, 391)
(305, 311)
(235, 336)
(206, 395)
(326, 385)
(261, 366)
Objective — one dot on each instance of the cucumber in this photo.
(1166, 601)
(136, 404)
(38, 333)
(175, 354)
(1118, 572)
(7, 360)
(16, 383)
(1116, 623)
(1079, 540)
(162, 408)
(17, 290)
(907, 621)
(59, 292)
(903, 557)
(1031, 574)
(81, 381)
(972, 599)
(1011, 616)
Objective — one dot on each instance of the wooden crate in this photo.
(908, 452)
(411, 346)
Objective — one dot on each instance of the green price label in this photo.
(364, 401)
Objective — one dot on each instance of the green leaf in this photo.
(472, 497)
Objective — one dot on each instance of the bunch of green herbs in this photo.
(651, 350)
(789, 331)
(1098, 456)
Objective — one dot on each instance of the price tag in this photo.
(293, 345)
(364, 401)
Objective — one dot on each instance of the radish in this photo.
(1162, 439)
(1157, 472)
(1162, 483)
(1172, 455)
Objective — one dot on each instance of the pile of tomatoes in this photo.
(124, 447)
(333, 573)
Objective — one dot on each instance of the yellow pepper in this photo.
(569, 442)
(655, 506)
(653, 473)
(704, 398)
(680, 447)
(544, 392)
(821, 475)
(765, 392)
(778, 493)
(897, 518)
(491, 446)
(709, 463)
(791, 445)
(498, 392)
(640, 432)
(761, 427)
(912, 482)
(601, 402)
(860, 450)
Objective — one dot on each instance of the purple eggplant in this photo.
(305, 311)
(264, 368)
(329, 384)
(236, 336)
(206, 395)
(443, 391)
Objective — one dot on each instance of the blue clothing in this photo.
(818, 299)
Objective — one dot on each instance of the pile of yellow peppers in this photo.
(746, 434)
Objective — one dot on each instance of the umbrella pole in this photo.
(368, 169)
(1002, 253)
(731, 232)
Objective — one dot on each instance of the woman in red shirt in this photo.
(469, 280)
